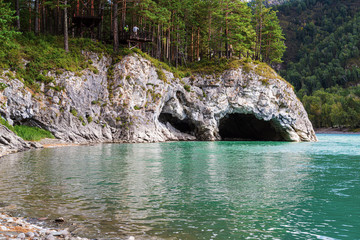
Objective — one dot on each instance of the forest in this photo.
(180, 31)
(322, 58)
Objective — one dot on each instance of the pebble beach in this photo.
(19, 228)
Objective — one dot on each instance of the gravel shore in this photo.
(19, 228)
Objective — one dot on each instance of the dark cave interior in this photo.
(246, 127)
(184, 126)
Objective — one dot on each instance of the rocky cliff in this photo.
(128, 102)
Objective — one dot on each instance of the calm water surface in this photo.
(193, 190)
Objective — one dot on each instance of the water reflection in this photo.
(189, 190)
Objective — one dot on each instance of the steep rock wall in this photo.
(128, 102)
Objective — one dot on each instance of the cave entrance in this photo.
(246, 127)
(184, 126)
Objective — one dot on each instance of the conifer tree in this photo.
(7, 17)
(273, 46)
(66, 35)
(259, 11)
(241, 32)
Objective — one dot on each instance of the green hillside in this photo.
(323, 42)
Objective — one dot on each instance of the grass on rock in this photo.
(26, 132)
(32, 133)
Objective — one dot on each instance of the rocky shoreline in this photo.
(19, 228)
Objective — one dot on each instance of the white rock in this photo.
(3, 228)
(30, 234)
(21, 236)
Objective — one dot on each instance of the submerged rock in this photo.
(129, 102)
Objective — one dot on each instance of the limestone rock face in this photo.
(129, 102)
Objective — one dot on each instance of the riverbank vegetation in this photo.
(334, 107)
(322, 60)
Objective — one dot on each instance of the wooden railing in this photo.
(140, 36)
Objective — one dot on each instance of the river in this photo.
(193, 190)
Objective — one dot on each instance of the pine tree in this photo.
(241, 32)
(115, 25)
(273, 46)
(259, 11)
(7, 33)
(66, 35)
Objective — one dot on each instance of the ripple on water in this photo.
(193, 190)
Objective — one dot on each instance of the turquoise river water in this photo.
(193, 190)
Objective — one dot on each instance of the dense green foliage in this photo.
(323, 43)
(7, 32)
(334, 107)
(44, 53)
(322, 60)
(6, 29)
(183, 30)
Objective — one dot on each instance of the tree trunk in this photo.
(258, 14)
(192, 46)
(115, 26)
(158, 54)
(58, 18)
(101, 21)
(43, 17)
(209, 35)
(66, 36)
(198, 45)
(123, 14)
(168, 44)
(227, 32)
(177, 48)
(29, 15)
(36, 17)
(111, 18)
(17, 6)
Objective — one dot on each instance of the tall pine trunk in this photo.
(198, 45)
(158, 54)
(29, 15)
(227, 32)
(36, 17)
(168, 44)
(58, 18)
(43, 16)
(177, 47)
(17, 13)
(66, 35)
(209, 36)
(123, 14)
(192, 46)
(101, 21)
(115, 26)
